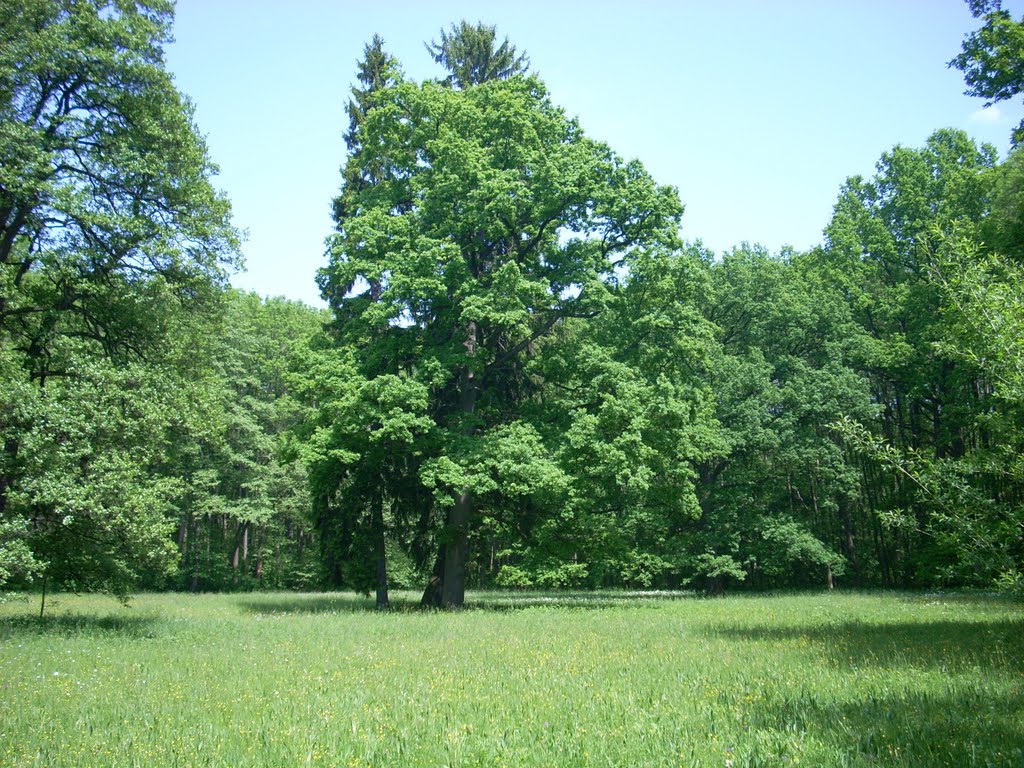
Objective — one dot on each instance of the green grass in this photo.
(599, 680)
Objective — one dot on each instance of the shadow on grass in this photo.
(409, 602)
(935, 644)
(77, 625)
(959, 725)
(517, 601)
(968, 714)
(318, 603)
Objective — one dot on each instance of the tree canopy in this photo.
(491, 223)
(525, 377)
(112, 239)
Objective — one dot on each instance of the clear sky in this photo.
(756, 110)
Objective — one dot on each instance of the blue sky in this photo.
(756, 111)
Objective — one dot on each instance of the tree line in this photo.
(525, 377)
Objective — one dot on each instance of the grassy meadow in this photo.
(586, 680)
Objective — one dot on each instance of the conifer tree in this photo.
(468, 52)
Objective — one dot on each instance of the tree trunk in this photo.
(851, 545)
(42, 601)
(197, 529)
(241, 546)
(11, 450)
(714, 586)
(453, 586)
(432, 594)
(183, 525)
(377, 523)
(235, 552)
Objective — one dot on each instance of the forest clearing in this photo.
(522, 679)
(471, 509)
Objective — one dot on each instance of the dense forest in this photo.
(525, 377)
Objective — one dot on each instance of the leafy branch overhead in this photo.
(992, 57)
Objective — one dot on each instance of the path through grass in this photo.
(293, 680)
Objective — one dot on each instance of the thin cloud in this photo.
(987, 115)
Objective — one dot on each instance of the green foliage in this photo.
(793, 543)
(526, 379)
(377, 70)
(106, 208)
(779, 499)
(113, 251)
(18, 564)
(718, 567)
(1011, 583)
(974, 500)
(468, 51)
(630, 414)
(511, 576)
(884, 241)
(242, 517)
(982, 297)
(992, 57)
(87, 485)
(494, 231)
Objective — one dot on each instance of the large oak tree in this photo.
(493, 221)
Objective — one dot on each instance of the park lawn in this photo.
(588, 680)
